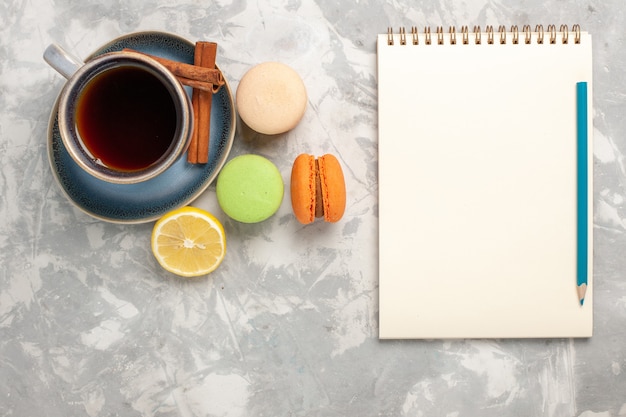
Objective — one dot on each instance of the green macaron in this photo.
(249, 188)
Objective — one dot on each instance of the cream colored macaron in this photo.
(271, 98)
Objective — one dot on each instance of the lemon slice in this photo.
(189, 242)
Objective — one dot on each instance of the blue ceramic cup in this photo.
(123, 117)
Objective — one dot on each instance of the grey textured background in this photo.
(90, 324)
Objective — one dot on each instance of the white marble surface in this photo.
(91, 326)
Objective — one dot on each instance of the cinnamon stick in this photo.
(200, 85)
(196, 76)
(207, 52)
(192, 152)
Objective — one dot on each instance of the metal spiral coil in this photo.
(551, 35)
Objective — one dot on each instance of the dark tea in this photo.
(126, 118)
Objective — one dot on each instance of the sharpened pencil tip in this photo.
(582, 291)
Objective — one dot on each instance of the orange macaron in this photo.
(318, 188)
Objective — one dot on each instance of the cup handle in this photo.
(62, 61)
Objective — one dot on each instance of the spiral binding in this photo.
(476, 35)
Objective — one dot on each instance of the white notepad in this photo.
(478, 184)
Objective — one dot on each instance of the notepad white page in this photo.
(477, 189)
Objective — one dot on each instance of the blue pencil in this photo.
(582, 190)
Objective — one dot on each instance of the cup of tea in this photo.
(123, 117)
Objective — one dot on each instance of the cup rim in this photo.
(98, 65)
